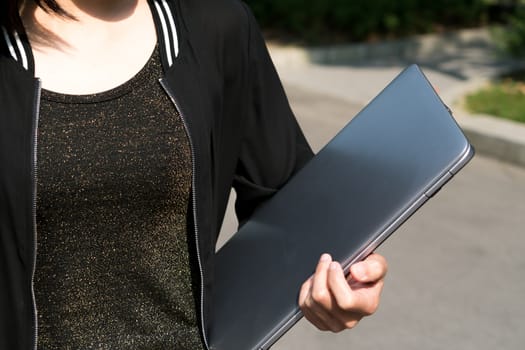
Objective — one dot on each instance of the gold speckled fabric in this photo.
(113, 265)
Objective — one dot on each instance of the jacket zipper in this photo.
(35, 169)
(194, 206)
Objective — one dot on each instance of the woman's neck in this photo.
(101, 44)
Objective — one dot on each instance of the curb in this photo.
(491, 136)
(494, 137)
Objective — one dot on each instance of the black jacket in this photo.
(243, 134)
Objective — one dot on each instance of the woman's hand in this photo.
(333, 302)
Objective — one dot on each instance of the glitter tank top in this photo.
(113, 264)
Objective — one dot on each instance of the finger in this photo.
(338, 284)
(315, 320)
(352, 304)
(344, 297)
(319, 289)
(305, 291)
(322, 320)
(372, 269)
(304, 296)
(320, 300)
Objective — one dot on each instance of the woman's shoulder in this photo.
(222, 27)
(222, 14)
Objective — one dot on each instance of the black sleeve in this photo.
(273, 146)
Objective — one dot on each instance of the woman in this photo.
(116, 163)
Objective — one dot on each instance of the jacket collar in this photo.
(18, 48)
(168, 37)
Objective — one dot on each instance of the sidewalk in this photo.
(455, 63)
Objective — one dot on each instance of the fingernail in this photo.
(333, 266)
(359, 272)
(326, 258)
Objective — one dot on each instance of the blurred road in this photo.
(456, 267)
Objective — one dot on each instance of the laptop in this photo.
(371, 177)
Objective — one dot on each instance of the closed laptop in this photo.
(373, 175)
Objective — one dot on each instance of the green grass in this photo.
(504, 98)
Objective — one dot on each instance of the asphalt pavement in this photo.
(456, 267)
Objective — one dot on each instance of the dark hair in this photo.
(9, 14)
(9, 11)
(49, 5)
